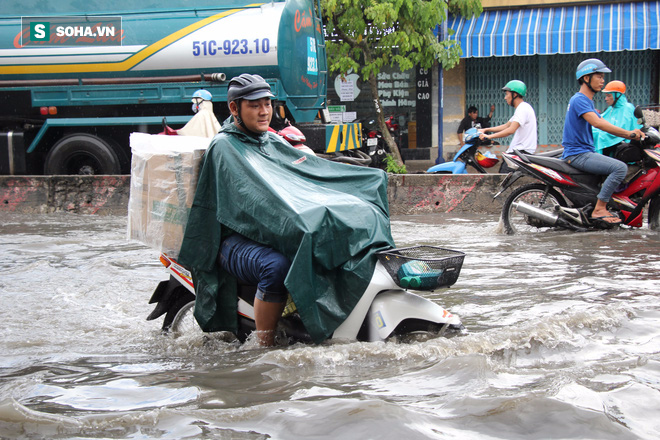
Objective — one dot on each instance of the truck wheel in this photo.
(82, 154)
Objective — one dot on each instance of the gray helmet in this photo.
(592, 65)
(250, 87)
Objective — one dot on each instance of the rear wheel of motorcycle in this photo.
(654, 214)
(516, 222)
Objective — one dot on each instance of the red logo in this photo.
(308, 83)
(302, 21)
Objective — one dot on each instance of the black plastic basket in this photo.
(422, 267)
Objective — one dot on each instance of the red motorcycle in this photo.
(564, 197)
(394, 128)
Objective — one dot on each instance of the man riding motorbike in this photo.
(522, 124)
(578, 140)
(266, 214)
(249, 100)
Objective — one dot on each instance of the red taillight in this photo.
(45, 111)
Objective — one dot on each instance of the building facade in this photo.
(542, 44)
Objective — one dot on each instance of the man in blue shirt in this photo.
(578, 140)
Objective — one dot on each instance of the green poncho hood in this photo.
(328, 218)
(619, 114)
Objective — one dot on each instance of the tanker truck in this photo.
(76, 78)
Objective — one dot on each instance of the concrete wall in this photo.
(108, 195)
(443, 193)
(105, 195)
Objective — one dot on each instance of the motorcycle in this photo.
(374, 142)
(467, 155)
(394, 128)
(564, 197)
(386, 308)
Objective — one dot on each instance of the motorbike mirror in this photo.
(638, 112)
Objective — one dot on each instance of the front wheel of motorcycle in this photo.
(534, 194)
(654, 213)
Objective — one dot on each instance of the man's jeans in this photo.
(255, 264)
(595, 163)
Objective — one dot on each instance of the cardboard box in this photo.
(164, 174)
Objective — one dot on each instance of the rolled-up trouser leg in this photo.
(255, 264)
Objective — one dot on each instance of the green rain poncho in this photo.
(328, 218)
(619, 114)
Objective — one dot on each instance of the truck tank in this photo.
(96, 71)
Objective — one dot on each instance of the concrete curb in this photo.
(104, 195)
(429, 193)
(108, 195)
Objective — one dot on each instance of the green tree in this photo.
(366, 35)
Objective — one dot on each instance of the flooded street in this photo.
(563, 342)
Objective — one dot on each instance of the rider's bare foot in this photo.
(605, 216)
(266, 338)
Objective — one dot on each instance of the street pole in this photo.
(442, 31)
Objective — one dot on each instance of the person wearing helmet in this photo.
(522, 124)
(578, 141)
(204, 123)
(199, 97)
(265, 213)
(252, 263)
(619, 112)
(248, 97)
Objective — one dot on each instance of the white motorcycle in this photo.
(388, 307)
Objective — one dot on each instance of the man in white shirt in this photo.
(522, 124)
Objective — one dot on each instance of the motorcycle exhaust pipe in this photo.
(532, 211)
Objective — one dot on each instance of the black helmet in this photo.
(250, 87)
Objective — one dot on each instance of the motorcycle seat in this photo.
(555, 164)
(552, 153)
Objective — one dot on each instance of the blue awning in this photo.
(560, 30)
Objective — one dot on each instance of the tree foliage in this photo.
(364, 36)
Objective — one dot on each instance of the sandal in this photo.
(605, 221)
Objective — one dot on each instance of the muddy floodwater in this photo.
(563, 342)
